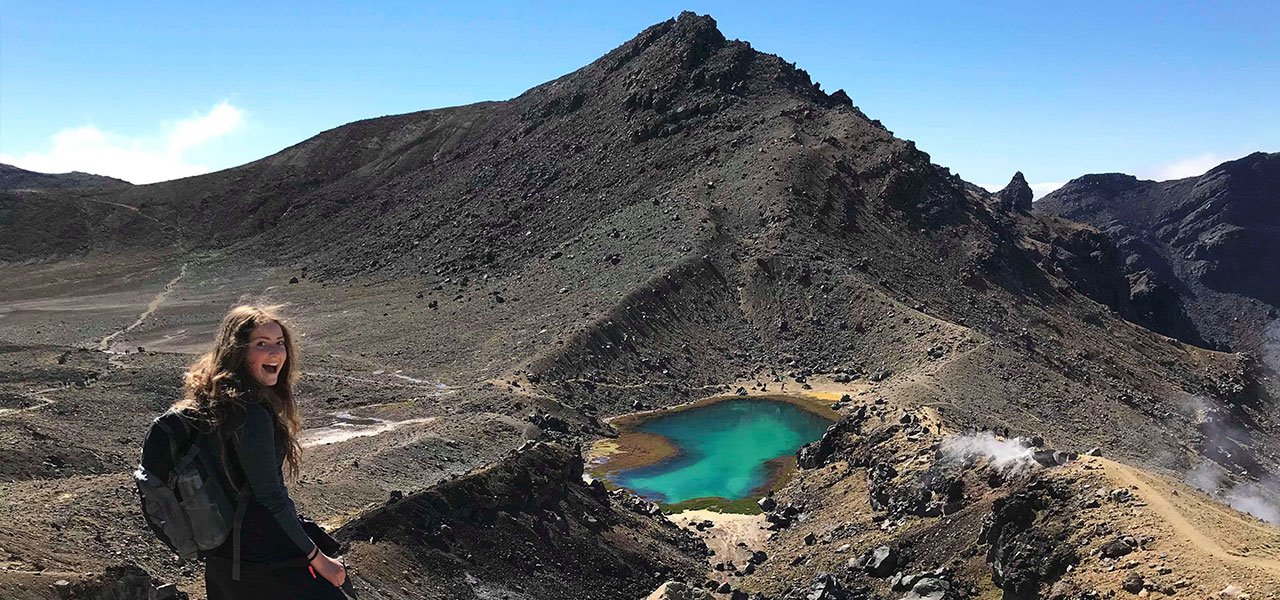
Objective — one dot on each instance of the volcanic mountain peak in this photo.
(1017, 195)
(697, 34)
(1107, 185)
(676, 66)
(641, 121)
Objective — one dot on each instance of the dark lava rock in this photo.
(1115, 548)
(635, 503)
(929, 588)
(824, 587)
(1132, 582)
(1017, 195)
(767, 503)
(777, 521)
(1022, 556)
(1216, 232)
(911, 496)
(549, 422)
(880, 562)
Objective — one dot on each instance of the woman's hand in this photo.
(333, 571)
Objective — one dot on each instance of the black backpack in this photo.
(184, 487)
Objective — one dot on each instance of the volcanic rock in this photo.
(1017, 195)
(1115, 548)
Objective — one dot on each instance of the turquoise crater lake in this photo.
(729, 449)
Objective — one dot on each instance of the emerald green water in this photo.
(722, 447)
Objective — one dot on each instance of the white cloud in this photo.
(1044, 187)
(143, 159)
(192, 132)
(1186, 167)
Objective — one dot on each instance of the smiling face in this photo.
(267, 353)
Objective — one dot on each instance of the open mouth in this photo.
(273, 369)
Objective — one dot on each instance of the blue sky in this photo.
(149, 90)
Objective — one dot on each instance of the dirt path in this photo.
(412, 383)
(349, 426)
(41, 401)
(105, 344)
(731, 538)
(1205, 526)
(132, 208)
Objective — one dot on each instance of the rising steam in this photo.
(1006, 456)
(1271, 346)
(1229, 442)
(1254, 498)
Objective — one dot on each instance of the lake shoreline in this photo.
(810, 402)
(633, 449)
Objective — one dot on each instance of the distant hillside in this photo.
(14, 178)
(1202, 254)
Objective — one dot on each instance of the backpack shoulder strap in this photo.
(168, 432)
(242, 503)
(166, 423)
(216, 450)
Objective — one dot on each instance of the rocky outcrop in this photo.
(1017, 195)
(1026, 553)
(1089, 261)
(825, 586)
(526, 524)
(817, 453)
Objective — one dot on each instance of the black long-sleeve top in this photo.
(271, 531)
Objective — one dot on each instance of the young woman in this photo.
(243, 387)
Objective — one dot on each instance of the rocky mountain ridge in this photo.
(14, 178)
(1201, 254)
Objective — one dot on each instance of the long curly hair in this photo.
(217, 383)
